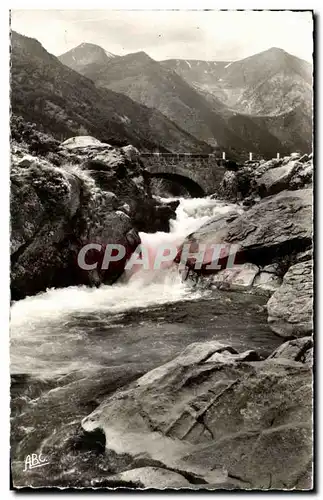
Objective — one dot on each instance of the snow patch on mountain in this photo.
(109, 54)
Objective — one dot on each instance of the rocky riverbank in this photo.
(272, 239)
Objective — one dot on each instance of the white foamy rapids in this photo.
(192, 213)
(120, 297)
(141, 289)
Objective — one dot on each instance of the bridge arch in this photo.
(179, 174)
(193, 188)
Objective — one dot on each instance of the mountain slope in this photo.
(293, 128)
(151, 83)
(268, 83)
(64, 103)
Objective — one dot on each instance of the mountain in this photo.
(64, 103)
(85, 54)
(269, 83)
(147, 82)
(156, 86)
(273, 88)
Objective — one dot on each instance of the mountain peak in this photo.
(277, 49)
(85, 54)
(139, 56)
(276, 53)
(92, 47)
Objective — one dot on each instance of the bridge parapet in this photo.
(181, 155)
(205, 170)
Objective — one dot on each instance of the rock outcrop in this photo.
(290, 308)
(81, 192)
(54, 213)
(217, 419)
(254, 180)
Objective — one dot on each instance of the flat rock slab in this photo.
(149, 477)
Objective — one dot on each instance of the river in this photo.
(71, 347)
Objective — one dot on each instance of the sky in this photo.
(186, 34)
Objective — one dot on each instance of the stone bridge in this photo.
(200, 174)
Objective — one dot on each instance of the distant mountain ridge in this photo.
(268, 83)
(261, 104)
(192, 108)
(62, 102)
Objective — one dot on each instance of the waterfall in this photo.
(142, 288)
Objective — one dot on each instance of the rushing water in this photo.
(71, 347)
(43, 321)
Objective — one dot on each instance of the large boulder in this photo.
(282, 222)
(276, 228)
(37, 188)
(290, 308)
(54, 213)
(215, 418)
(289, 175)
